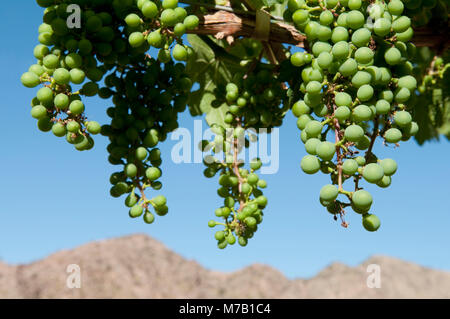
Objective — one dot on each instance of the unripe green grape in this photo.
(373, 173)
(164, 56)
(300, 108)
(383, 107)
(361, 113)
(297, 59)
(93, 127)
(393, 135)
(405, 36)
(411, 129)
(364, 55)
(77, 76)
(219, 235)
(361, 37)
(365, 93)
(325, 150)
(153, 173)
(149, 218)
(73, 127)
(349, 67)
(342, 19)
(360, 78)
(94, 24)
(252, 178)
(136, 39)
(326, 18)
(179, 29)
(39, 112)
(61, 76)
(323, 33)
(371, 222)
(262, 183)
(159, 201)
(51, 61)
(342, 99)
(136, 211)
(313, 87)
(408, 82)
(242, 241)
(382, 27)
(169, 4)
(320, 47)
(363, 143)
(329, 193)
(395, 7)
(389, 166)
(191, 22)
(40, 51)
(36, 69)
(362, 199)
(339, 34)
(321, 110)
(311, 145)
(212, 223)
(401, 24)
(262, 201)
(179, 53)
(59, 129)
(310, 164)
(141, 153)
(392, 56)
(387, 95)
(45, 95)
(402, 118)
(149, 9)
(303, 120)
(85, 46)
(340, 50)
(342, 113)
(131, 170)
(45, 124)
(384, 182)
(350, 167)
(354, 133)
(313, 128)
(30, 80)
(354, 19)
(324, 60)
(354, 4)
(402, 95)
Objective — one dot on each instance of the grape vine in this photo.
(360, 79)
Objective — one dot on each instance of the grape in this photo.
(393, 135)
(39, 112)
(371, 222)
(402, 95)
(339, 34)
(36, 69)
(354, 4)
(343, 99)
(326, 17)
(77, 76)
(136, 39)
(179, 53)
(59, 129)
(361, 37)
(311, 145)
(310, 164)
(354, 133)
(61, 76)
(350, 167)
(133, 20)
(384, 182)
(396, 7)
(382, 27)
(340, 50)
(30, 80)
(382, 107)
(136, 211)
(373, 173)
(76, 107)
(363, 55)
(365, 93)
(342, 113)
(401, 24)
(191, 22)
(45, 95)
(362, 113)
(61, 101)
(51, 61)
(328, 193)
(149, 9)
(325, 150)
(408, 82)
(45, 124)
(402, 118)
(73, 60)
(354, 19)
(362, 199)
(93, 127)
(153, 173)
(349, 67)
(392, 56)
(149, 218)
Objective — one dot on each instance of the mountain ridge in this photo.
(138, 266)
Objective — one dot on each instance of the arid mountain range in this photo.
(140, 267)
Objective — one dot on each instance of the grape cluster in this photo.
(355, 84)
(147, 93)
(422, 12)
(240, 188)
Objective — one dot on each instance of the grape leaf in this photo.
(209, 68)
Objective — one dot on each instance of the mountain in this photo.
(140, 267)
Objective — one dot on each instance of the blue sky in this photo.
(53, 197)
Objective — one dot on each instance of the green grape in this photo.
(311, 145)
(39, 112)
(383, 107)
(349, 67)
(363, 55)
(310, 164)
(384, 182)
(153, 173)
(30, 80)
(149, 9)
(179, 53)
(77, 76)
(136, 211)
(51, 61)
(393, 135)
(339, 34)
(362, 199)
(401, 24)
(340, 50)
(329, 193)
(350, 167)
(402, 118)
(361, 37)
(93, 127)
(342, 113)
(149, 218)
(133, 20)
(362, 113)
(354, 133)
(343, 99)
(326, 150)
(354, 19)
(76, 107)
(61, 101)
(61, 76)
(136, 39)
(371, 222)
(191, 22)
(396, 7)
(382, 27)
(392, 56)
(73, 127)
(373, 173)
(59, 129)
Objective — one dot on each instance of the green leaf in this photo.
(209, 67)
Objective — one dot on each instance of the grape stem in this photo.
(372, 139)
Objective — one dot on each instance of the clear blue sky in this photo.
(53, 197)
